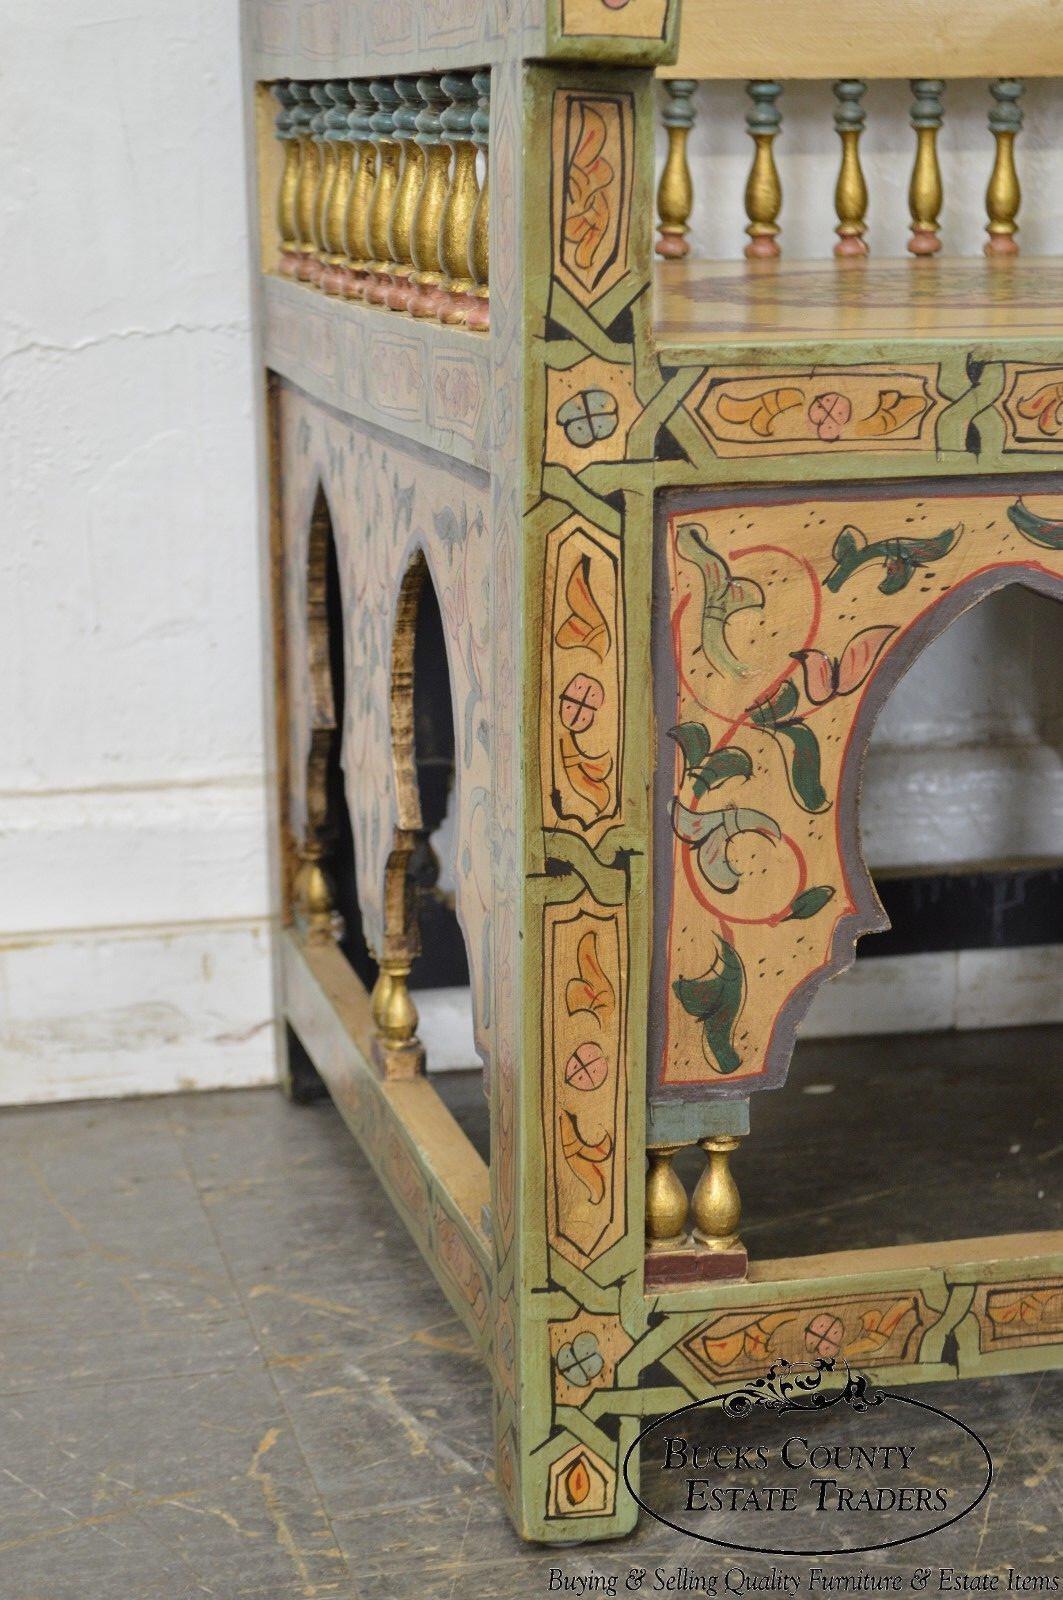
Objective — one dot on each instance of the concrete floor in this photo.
(224, 1370)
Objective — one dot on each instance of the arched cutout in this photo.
(330, 907)
(868, 915)
(926, 1174)
(957, 818)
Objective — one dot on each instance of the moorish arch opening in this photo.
(325, 887)
(439, 978)
(935, 1051)
(326, 901)
(338, 820)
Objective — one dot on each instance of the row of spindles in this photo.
(763, 194)
(380, 198)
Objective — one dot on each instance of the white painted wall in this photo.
(133, 932)
(133, 913)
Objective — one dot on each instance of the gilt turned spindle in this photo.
(763, 195)
(675, 191)
(925, 190)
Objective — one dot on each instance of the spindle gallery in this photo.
(617, 552)
(378, 197)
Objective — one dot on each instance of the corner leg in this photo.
(300, 1080)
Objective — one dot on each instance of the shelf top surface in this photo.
(957, 300)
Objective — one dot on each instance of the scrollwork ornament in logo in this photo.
(785, 1387)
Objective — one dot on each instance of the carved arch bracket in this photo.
(783, 626)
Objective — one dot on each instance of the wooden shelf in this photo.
(1011, 307)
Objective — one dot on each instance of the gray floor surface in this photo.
(225, 1372)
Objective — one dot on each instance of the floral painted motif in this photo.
(592, 191)
(583, 682)
(1032, 407)
(742, 413)
(583, 1076)
(581, 1484)
(783, 613)
(883, 1326)
(724, 595)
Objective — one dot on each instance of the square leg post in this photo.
(572, 496)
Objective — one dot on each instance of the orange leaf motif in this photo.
(585, 626)
(760, 411)
(892, 411)
(588, 775)
(585, 1159)
(1046, 406)
(877, 1326)
(591, 991)
(589, 177)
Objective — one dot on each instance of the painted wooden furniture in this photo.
(683, 526)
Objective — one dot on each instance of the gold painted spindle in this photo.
(334, 207)
(763, 188)
(326, 172)
(667, 1206)
(409, 187)
(288, 187)
(395, 1016)
(388, 157)
(356, 224)
(925, 190)
(309, 177)
(315, 914)
(455, 223)
(850, 192)
(675, 192)
(1003, 196)
(479, 316)
(717, 1208)
(424, 239)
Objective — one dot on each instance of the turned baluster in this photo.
(763, 188)
(717, 1208)
(388, 157)
(850, 193)
(424, 239)
(675, 192)
(455, 222)
(326, 154)
(925, 190)
(667, 1206)
(309, 177)
(1003, 195)
(288, 187)
(356, 225)
(408, 188)
(334, 205)
(313, 907)
(479, 315)
(397, 1049)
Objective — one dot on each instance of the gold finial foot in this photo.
(667, 1206)
(717, 1208)
(314, 913)
(396, 1048)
